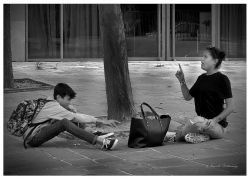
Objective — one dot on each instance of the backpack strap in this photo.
(40, 99)
(34, 125)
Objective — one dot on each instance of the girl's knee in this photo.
(215, 133)
(198, 119)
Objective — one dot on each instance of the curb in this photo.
(44, 86)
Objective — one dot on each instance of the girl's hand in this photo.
(211, 124)
(180, 75)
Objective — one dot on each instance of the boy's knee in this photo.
(65, 120)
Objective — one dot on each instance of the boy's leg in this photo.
(89, 129)
(83, 126)
(54, 129)
(95, 132)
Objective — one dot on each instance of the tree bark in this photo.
(8, 72)
(118, 86)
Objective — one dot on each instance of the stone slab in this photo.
(235, 164)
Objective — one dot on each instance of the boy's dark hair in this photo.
(217, 54)
(63, 89)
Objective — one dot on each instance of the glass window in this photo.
(43, 31)
(81, 32)
(233, 30)
(140, 23)
(192, 29)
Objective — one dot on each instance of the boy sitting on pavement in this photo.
(64, 117)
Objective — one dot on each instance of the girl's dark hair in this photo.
(63, 89)
(217, 54)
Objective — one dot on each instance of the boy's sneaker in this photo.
(103, 134)
(109, 143)
(170, 137)
(196, 138)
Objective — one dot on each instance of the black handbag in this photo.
(145, 132)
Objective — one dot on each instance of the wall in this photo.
(17, 20)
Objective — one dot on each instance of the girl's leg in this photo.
(216, 133)
(49, 132)
(187, 128)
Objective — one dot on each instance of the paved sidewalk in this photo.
(155, 85)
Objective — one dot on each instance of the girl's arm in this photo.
(185, 92)
(228, 110)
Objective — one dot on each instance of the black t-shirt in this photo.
(209, 92)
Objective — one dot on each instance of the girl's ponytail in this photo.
(217, 54)
(222, 55)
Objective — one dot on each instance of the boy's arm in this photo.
(84, 118)
(87, 119)
(72, 109)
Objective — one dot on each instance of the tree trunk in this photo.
(118, 86)
(8, 72)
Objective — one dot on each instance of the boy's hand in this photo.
(72, 109)
(112, 123)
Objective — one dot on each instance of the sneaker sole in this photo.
(107, 135)
(114, 145)
(196, 138)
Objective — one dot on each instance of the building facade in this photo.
(71, 32)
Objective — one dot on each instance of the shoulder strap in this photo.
(38, 102)
(34, 126)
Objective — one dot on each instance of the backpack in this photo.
(22, 116)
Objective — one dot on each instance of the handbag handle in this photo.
(146, 104)
(156, 116)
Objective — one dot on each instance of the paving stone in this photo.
(107, 172)
(97, 166)
(92, 153)
(64, 154)
(180, 146)
(237, 149)
(64, 143)
(125, 149)
(145, 171)
(193, 170)
(169, 162)
(82, 162)
(143, 156)
(110, 159)
(232, 147)
(237, 138)
(8, 140)
(27, 155)
(21, 166)
(125, 165)
(235, 164)
(58, 171)
(201, 153)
